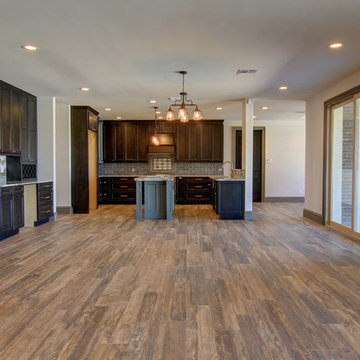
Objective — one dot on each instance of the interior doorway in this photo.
(258, 160)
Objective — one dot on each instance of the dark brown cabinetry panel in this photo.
(130, 142)
(5, 119)
(217, 142)
(142, 142)
(11, 210)
(109, 142)
(119, 143)
(32, 121)
(18, 207)
(15, 122)
(206, 143)
(194, 142)
(181, 142)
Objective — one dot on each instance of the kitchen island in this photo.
(158, 197)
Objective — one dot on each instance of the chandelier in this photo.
(183, 104)
(155, 139)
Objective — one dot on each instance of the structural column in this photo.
(247, 151)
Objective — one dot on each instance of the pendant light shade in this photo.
(170, 115)
(183, 115)
(197, 115)
(183, 103)
(154, 138)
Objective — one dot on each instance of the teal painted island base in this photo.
(158, 198)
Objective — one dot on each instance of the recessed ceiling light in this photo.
(152, 101)
(254, 117)
(160, 118)
(30, 47)
(158, 112)
(107, 109)
(283, 88)
(219, 108)
(264, 108)
(84, 89)
(335, 45)
(118, 118)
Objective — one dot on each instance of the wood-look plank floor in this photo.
(105, 286)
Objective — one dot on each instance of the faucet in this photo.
(227, 162)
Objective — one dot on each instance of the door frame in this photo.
(329, 105)
(263, 148)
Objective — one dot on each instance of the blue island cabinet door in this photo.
(155, 199)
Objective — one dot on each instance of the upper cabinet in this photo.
(125, 141)
(18, 118)
(200, 141)
(194, 141)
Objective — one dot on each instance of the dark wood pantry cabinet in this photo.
(84, 122)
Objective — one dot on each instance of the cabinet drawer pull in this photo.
(124, 196)
(198, 179)
(198, 196)
(198, 186)
(47, 197)
(124, 186)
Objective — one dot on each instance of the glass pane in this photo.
(342, 164)
(357, 169)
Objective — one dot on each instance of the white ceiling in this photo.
(127, 51)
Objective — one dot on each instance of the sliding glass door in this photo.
(344, 204)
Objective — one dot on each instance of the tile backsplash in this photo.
(2, 169)
(179, 168)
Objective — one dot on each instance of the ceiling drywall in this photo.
(126, 52)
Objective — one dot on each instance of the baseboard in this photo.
(313, 216)
(248, 215)
(285, 199)
(64, 210)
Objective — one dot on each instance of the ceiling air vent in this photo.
(246, 71)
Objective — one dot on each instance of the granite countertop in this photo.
(24, 183)
(224, 178)
(170, 175)
(155, 178)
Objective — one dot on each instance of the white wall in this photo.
(63, 162)
(45, 140)
(314, 140)
(285, 148)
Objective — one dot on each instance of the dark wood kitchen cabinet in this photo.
(200, 141)
(28, 111)
(11, 210)
(44, 202)
(130, 142)
(10, 119)
(193, 190)
(84, 192)
(18, 124)
(125, 142)
(117, 190)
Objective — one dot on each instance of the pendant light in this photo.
(183, 103)
(155, 138)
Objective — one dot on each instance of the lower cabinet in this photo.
(11, 210)
(44, 202)
(193, 190)
(229, 199)
(117, 190)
